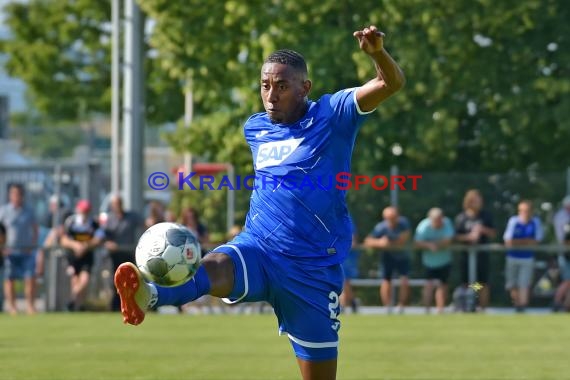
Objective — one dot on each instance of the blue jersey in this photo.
(516, 229)
(295, 208)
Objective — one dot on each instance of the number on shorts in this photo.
(334, 309)
(333, 306)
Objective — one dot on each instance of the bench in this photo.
(375, 282)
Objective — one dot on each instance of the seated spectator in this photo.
(81, 236)
(391, 235)
(562, 229)
(522, 230)
(434, 234)
(474, 225)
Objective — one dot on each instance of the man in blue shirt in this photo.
(393, 232)
(522, 230)
(295, 236)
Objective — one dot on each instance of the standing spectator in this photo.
(392, 234)
(522, 230)
(2, 243)
(21, 244)
(434, 234)
(562, 229)
(474, 225)
(122, 232)
(81, 237)
(350, 268)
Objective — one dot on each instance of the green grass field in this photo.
(99, 346)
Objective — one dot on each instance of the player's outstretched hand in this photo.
(370, 39)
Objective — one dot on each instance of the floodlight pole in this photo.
(133, 109)
(188, 114)
(116, 96)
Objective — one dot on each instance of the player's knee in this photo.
(220, 269)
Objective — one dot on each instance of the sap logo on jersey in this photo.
(275, 152)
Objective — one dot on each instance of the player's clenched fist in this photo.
(370, 39)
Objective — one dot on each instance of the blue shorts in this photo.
(305, 298)
(18, 266)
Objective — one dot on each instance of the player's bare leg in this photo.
(321, 370)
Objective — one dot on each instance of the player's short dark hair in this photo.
(289, 58)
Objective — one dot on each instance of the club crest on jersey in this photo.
(275, 152)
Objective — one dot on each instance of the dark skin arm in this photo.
(389, 77)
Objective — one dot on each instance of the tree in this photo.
(61, 50)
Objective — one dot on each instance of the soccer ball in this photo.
(168, 254)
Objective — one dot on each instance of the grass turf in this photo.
(99, 346)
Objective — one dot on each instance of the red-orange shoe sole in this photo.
(127, 283)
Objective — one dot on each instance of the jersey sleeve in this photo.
(449, 232)
(538, 232)
(347, 112)
(420, 234)
(378, 231)
(509, 231)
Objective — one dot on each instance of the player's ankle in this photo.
(153, 296)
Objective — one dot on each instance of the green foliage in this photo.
(45, 138)
(62, 51)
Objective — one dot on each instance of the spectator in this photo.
(21, 244)
(155, 214)
(122, 232)
(562, 229)
(2, 243)
(522, 230)
(474, 225)
(392, 234)
(57, 213)
(190, 218)
(434, 234)
(81, 237)
(350, 268)
(170, 216)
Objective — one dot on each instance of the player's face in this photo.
(284, 92)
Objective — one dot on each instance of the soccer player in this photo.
(295, 236)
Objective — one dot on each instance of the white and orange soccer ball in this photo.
(168, 254)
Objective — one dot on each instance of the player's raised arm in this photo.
(389, 77)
